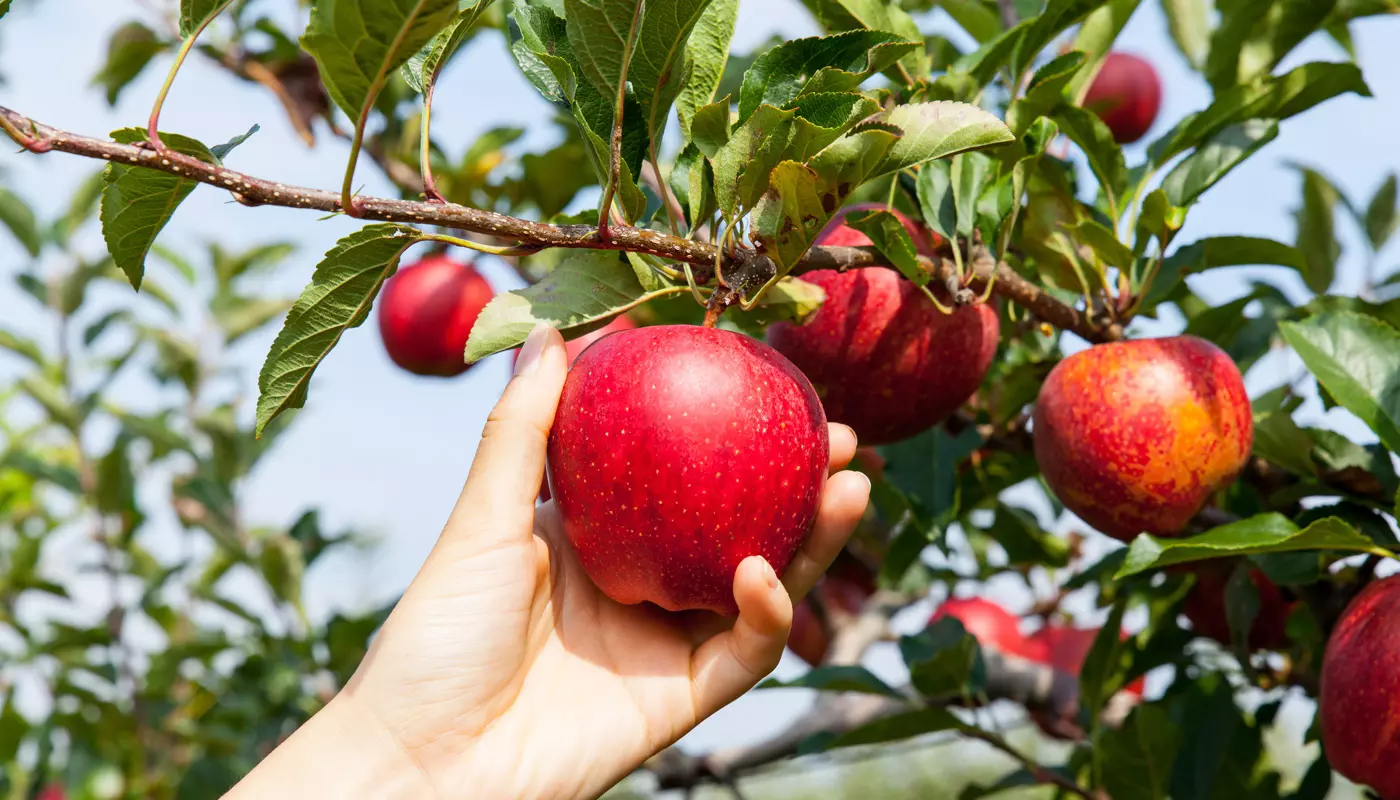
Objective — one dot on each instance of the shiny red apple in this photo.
(1136, 436)
(678, 451)
(991, 625)
(426, 313)
(842, 591)
(1360, 698)
(1126, 94)
(884, 359)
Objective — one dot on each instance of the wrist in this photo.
(342, 751)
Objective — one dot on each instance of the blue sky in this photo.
(383, 452)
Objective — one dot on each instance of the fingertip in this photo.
(843, 445)
(763, 603)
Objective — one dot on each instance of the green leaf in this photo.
(422, 69)
(1356, 359)
(980, 20)
(1024, 541)
(935, 190)
(21, 346)
(938, 130)
(13, 726)
(878, 15)
(1316, 238)
(16, 215)
(357, 44)
(130, 49)
(80, 207)
(943, 659)
(838, 63)
(1255, 36)
(1095, 38)
(1188, 21)
(1138, 757)
(1279, 440)
(221, 151)
(196, 14)
(1018, 47)
(342, 289)
(585, 292)
(4, 7)
(1264, 533)
(890, 237)
(1103, 242)
(1104, 669)
(137, 202)
(1381, 218)
(238, 316)
(1221, 251)
(116, 483)
(1092, 136)
(707, 52)
(1045, 91)
(1215, 157)
(709, 128)
(900, 726)
(1275, 98)
(836, 679)
(969, 174)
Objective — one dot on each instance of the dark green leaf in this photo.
(221, 151)
(583, 293)
(838, 63)
(16, 215)
(116, 483)
(969, 174)
(1265, 533)
(1357, 360)
(938, 130)
(900, 726)
(1221, 251)
(1381, 218)
(423, 68)
(1024, 541)
(130, 49)
(1215, 157)
(1137, 758)
(339, 297)
(836, 679)
(358, 44)
(1278, 439)
(889, 236)
(1105, 666)
(1092, 136)
(707, 52)
(1096, 37)
(1045, 92)
(138, 202)
(195, 14)
(944, 660)
(1316, 239)
(877, 15)
(13, 726)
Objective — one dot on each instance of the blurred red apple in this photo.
(843, 591)
(678, 451)
(1205, 606)
(1360, 699)
(1135, 436)
(426, 313)
(1065, 648)
(884, 359)
(991, 625)
(1126, 95)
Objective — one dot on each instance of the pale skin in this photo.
(503, 672)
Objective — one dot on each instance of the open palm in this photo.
(504, 672)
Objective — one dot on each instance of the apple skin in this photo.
(991, 625)
(1135, 436)
(679, 451)
(843, 590)
(426, 313)
(1065, 648)
(1205, 606)
(1126, 94)
(884, 359)
(1360, 698)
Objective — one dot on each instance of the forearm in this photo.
(340, 752)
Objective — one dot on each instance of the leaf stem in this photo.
(507, 251)
(425, 152)
(153, 123)
(615, 148)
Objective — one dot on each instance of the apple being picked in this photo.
(884, 359)
(843, 592)
(1126, 94)
(1135, 436)
(426, 313)
(677, 452)
(991, 625)
(1360, 699)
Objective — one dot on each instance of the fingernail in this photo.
(769, 575)
(529, 360)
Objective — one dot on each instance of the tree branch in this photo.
(254, 191)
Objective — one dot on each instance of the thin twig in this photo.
(615, 148)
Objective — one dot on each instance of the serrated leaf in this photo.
(878, 15)
(129, 51)
(422, 69)
(1264, 533)
(1381, 219)
(1316, 226)
(357, 44)
(890, 237)
(838, 63)
(16, 215)
(195, 14)
(138, 202)
(342, 289)
(1092, 136)
(938, 130)
(709, 128)
(584, 292)
(1215, 157)
(1356, 359)
(836, 679)
(707, 52)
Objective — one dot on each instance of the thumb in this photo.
(498, 500)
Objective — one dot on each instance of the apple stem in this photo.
(720, 299)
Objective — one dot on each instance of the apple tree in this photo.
(933, 217)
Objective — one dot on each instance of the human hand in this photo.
(504, 672)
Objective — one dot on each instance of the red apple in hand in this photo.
(843, 591)
(1205, 606)
(426, 313)
(1126, 95)
(884, 359)
(1135, 436)
(1360, 699)
(677, 452)
(991, 625)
